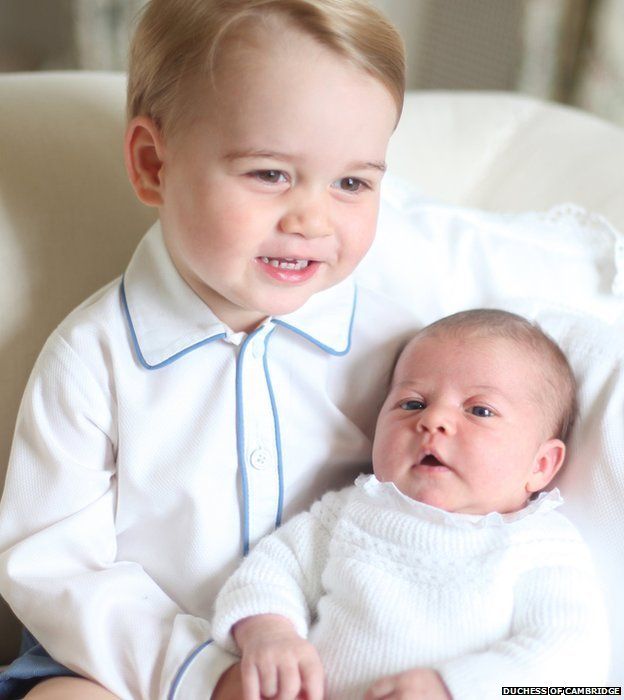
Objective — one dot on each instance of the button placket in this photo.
(260, 448)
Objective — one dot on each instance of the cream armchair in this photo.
(69, 221)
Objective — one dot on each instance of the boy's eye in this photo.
(273, 177)
(350, 184)
(481, 411)
(412, 405)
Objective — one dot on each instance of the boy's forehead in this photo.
(290, 95)
(277, 56)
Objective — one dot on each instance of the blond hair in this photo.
(559, 384)
(178, 40)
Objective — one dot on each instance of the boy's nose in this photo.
(307, 219)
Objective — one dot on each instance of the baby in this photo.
(444, 575)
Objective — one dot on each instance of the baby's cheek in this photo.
(384, 460)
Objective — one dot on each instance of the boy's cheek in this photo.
(360, 246)
(362, 230)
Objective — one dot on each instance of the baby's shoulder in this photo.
(330, 507)
(550, 539)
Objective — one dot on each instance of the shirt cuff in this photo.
(200, 672)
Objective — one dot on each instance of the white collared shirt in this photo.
(154, 446)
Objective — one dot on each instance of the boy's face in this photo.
(461, 428)
(271, 192)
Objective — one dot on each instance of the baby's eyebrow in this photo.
(487, 389)
(278, 155)
(404, 384)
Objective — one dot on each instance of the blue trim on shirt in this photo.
(135, 340)
(278, 439)
(240, 440)
(187, 662)
(318, 343)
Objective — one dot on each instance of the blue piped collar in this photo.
(168, 320)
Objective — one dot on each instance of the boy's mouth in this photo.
(288, 271)
(286, 263)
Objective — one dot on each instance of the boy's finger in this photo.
(312, 680)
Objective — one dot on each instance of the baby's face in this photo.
(461, 428)
(271, 192)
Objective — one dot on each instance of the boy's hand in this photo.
(277, 663)
(230, 685)
(416, 684)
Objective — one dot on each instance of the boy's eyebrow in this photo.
(277, 155)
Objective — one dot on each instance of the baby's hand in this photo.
(276, 661)
(417, 684)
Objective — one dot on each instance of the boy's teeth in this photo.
(286, 263)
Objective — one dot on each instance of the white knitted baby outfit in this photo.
(381, 584)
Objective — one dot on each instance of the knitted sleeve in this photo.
(558, 635)
(282, 575)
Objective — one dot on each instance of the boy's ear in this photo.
(143, 153)
(547, 462)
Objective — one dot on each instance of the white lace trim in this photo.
(388, 492)
(572, 214)
(585, 231)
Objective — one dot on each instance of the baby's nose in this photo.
(435, 420)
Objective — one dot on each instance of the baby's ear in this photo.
(143, 148)
(546, 464)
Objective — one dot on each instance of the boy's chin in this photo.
(287, 306)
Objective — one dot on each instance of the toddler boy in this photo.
(183, 411)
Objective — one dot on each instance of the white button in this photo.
(260, 458)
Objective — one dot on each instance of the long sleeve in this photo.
(558, 637)
(102, 616)
(282, 575)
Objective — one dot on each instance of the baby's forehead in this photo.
(464, 343)
(471, 359)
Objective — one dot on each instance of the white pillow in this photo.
(564, 269)
(443, 258)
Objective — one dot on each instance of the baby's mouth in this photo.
(286, 263)
(431, 458)
(431, 461)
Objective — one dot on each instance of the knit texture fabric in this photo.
(381, 584)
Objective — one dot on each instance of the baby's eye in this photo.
(481, 411)
(350, 184)
(273, 177)
(412, 405)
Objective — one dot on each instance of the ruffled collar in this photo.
(388, 494)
